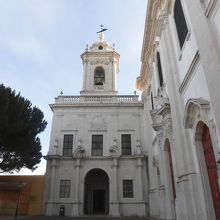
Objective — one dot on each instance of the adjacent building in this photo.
(180, 81)
(21, 195)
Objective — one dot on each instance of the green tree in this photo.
(20, 123)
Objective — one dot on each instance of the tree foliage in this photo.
(20, 123)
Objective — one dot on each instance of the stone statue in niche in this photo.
(114, 148)
(55, 145)
(80, 150)
(138, 147)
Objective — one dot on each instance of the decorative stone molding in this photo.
(208, 6)
(56, 145)
(164, 111)
(98, 123)
(160, 135)
(162, 123)
(190, 73)
(153, 190)
(99, 62)
(162, 22)
(85, 59)
(162, 93)
(156, 20)
(168, 129)
(156, 120)
(195, 108)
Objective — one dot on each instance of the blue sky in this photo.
(41, 42)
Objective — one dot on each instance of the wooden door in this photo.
(98, 201)
(212, 170)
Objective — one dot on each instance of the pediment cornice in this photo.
(156, 19)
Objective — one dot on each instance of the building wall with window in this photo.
(180, 83)
(96, 162)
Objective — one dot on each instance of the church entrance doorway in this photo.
(211, 169)
(96, 196)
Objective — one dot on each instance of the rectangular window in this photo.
(67, 145)
(65, 188)
(126, 144)
(128, 188)
(180, 21)
(97, 145)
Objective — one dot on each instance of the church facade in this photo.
(118, 156)
(97, 162)
(180, 84)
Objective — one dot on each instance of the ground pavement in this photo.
(72, 218)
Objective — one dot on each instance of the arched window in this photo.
(180, 21)
(99, 76)
(160, 74)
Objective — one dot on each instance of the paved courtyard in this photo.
(72, 218)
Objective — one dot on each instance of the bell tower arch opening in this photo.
(96, 192)
(99, 76)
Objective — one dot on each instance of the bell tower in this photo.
(100, 69)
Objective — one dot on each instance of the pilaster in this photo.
(76, 205)
(114, 202)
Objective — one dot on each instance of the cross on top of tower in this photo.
(102, 29)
